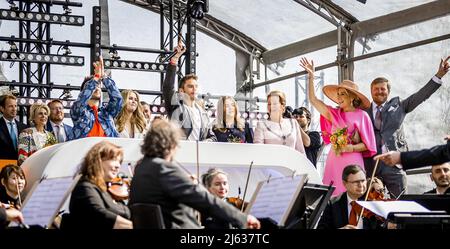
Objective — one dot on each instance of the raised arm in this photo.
(410, 103)
(317, 103)
(168, 90)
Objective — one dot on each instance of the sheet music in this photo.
(46, 199)
(383, 208)
(275, 198)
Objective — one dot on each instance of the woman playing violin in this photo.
(216, 181)
(91, 205)
(12, 183)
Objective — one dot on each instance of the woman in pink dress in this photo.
(347, 127)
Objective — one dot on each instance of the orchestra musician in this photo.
(12, 183)
(157, 180)
(216, 182)
(90, 203)
(339, 212)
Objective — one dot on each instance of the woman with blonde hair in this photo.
(35, 138)
(278, 130)
(229, 126)
(131, 122)
(91, 205)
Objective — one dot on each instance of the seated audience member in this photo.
(10, 128)
(416, 159)
(440, 175)
(91, 205)
(278, 130)
(229, 126)
(131, 122)
(12, 183)
(311, 139)
(339, 212)
(61, 131)
(35, 138)
(90, 118)
(157, 180)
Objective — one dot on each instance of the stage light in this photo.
(13, 46)
(113, 53)
(41, 58)
(135, 65)
(198, 8)
(39, 17)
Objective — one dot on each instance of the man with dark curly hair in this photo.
(159, 181)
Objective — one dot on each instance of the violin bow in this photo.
(18, 191)
(368, 190)
(246, 185)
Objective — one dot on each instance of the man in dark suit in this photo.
(10, 128)
(158, 181)
(416, 159)
(339, 213)
(440, 175)
(55, 124)
(387, 119)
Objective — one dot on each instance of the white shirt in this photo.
(349, 209)
(196, 118)
(62, 130)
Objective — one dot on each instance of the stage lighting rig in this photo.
(198, 8)
(41, 58)
(17, 15)
(113, 53)
(135, 65)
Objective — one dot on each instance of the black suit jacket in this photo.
(7, 150)
(91, 207)
(434, 156)
(3, 218)
(335, 215)
(159, 182)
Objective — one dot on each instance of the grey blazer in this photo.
(178, 112)
(393, 114)
(159, 182)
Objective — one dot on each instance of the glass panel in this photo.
(272, 23)
(375, 8)
(405, 35)
(408, 71)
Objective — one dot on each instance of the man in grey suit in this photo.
(183, 107)
(387, 118)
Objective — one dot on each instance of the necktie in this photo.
(378, 119)
(352, 218)
(59, 134)
(13, 135)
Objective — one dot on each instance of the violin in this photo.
(237, 202)
(119, 188)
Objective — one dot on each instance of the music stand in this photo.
(309, 206)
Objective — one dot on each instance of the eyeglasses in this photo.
(357, 181)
